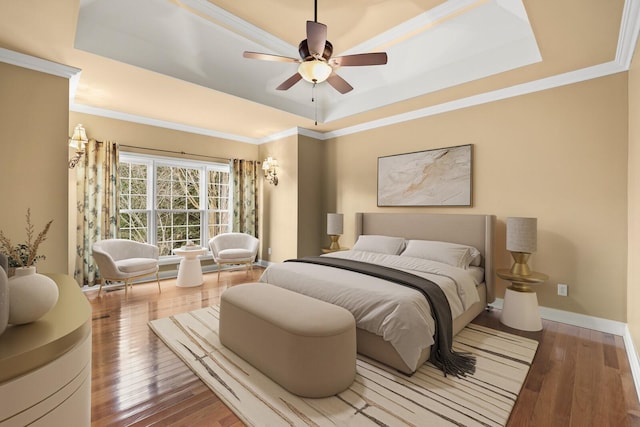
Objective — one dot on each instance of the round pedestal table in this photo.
(520, 308)
(190, 270)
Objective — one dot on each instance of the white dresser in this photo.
(45, 366)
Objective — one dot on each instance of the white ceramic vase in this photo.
(31, 295)
(4, 300)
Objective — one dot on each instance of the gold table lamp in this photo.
(520, 306)
(521, 242)
(334, 229)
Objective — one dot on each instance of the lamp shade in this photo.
(314, 71)
(79, 138)
(522, 235)
(269, 163)
(334, 224)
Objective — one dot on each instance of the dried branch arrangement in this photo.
(25, 254)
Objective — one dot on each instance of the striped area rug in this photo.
(379, 396)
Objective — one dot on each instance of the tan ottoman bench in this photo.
(306, 345)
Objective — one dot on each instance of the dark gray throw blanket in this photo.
(442, 355)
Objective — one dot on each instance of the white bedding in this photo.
(399, 314)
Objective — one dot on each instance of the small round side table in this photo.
(190, 270)
(520, 308)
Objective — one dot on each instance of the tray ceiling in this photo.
(179, 64)
(199, 42)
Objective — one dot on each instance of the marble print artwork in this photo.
(439, 177)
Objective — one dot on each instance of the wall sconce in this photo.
(270, 168)
(77, 141)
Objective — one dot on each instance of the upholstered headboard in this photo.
(472, 230)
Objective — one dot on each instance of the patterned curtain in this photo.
(97, 193)
(245, 196)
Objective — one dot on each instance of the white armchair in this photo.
(234, 248)
(121, 260)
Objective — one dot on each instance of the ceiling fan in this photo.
(316, 63)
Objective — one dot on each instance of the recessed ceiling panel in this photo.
(456, 42)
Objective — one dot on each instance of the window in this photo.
(167, 201)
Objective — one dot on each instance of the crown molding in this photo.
(292, 132)
(484, 98)
(276, 136)
(43, 66)
(38, 64)
(564, 79)
(311, 133)
(628, 36)
(79, 108)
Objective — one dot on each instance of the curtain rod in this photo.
(174, 152)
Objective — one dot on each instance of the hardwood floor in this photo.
(579, 377)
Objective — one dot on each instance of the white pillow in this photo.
(381, 244)
(477, 258)
(461, 256)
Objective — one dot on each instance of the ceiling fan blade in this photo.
(376, 58)
(339, 83)
(268, 57)
(290, 82)
(316, 38)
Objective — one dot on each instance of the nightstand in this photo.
(328, 251)
(520, 307)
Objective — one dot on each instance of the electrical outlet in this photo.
(269, 251)
(563, 289)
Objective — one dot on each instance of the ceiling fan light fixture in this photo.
(317, 64)
(315, 71)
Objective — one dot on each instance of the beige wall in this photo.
(34, 110)
(559, 155)
(633, 279)
(280, 203)
(311, 221)
(293, 212)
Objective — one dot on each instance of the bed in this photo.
(394, 323)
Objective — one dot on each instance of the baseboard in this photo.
(597, 324)
(632, 356)
(576, 319)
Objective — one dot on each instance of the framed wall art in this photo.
(440, 177)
